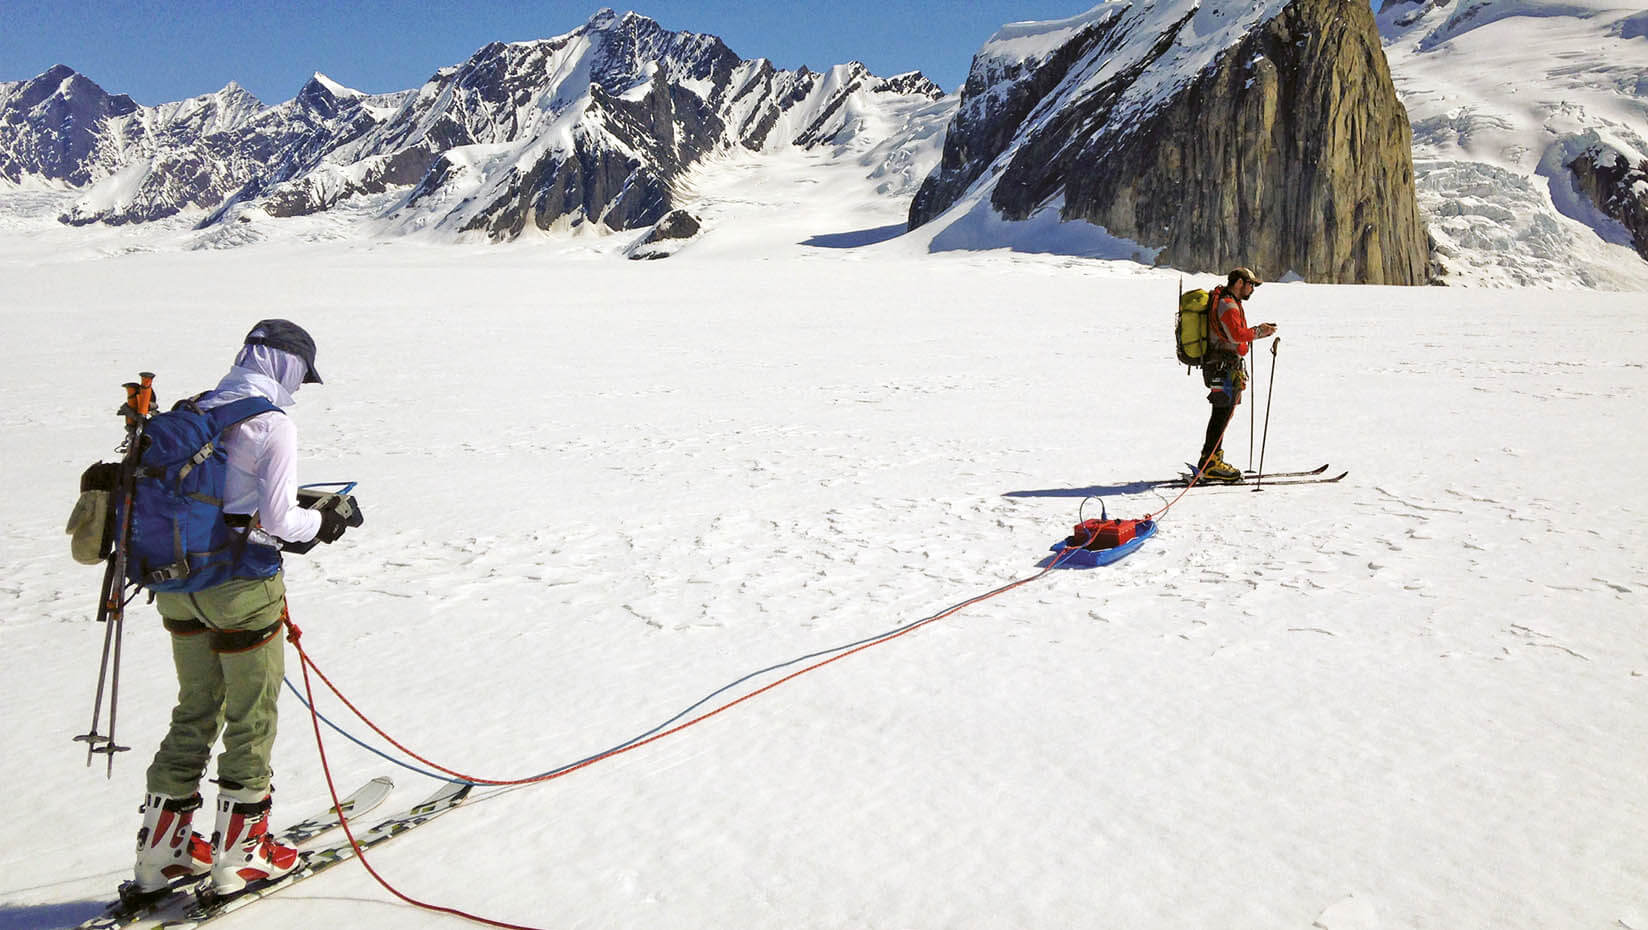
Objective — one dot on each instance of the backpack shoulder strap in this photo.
(1215, 325)
(231, 413)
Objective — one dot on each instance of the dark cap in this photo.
(287, 337)
(1244, 274)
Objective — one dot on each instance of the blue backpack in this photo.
(180, 540)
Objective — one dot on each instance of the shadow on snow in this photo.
(36, 916)
(856, 238)
(1097, 490)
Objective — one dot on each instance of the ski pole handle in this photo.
(1275, 344)
(139, 399)
(129, 408)
(145, 393)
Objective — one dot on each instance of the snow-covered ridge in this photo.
(1200, 33)
(1528, 120)
(594, 125)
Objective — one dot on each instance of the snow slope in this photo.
(598, 491)
(1502, 95)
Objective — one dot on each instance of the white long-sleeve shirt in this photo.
(263, 450)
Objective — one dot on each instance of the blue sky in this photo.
(163, 51)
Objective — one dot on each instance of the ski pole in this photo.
(136, 418)
(112, 611)
(91, 737)
(111, 608)
(1252, 414)
(111, 747)
(1270, 392)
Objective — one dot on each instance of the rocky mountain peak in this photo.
(910, 82)
(604, 18)
(50, 125)
(69, 88)
(324, 96)
(1211, 134)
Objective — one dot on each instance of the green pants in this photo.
(228, 681)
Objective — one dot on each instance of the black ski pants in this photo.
(1225, 380)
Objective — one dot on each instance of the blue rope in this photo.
(351, 738)
(633, 740)
(348, 486)
(717, 693)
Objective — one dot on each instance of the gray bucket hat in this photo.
(287, 337)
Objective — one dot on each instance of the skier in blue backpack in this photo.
(226, 639)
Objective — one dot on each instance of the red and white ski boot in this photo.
(167, 848)
(243, 849)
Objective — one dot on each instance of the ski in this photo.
(364, 799)
(208, 908)
(1249, 473)
(1268, 482)
(1309, 476)
(131, 907)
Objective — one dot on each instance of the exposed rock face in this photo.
(1284, 150)
(678, 225)
(610, 145)
(1617, 186)
(625, 156)
(666, 236)
(597, 125)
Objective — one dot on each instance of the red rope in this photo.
(294, 635)
(1193, 478)
(343, 821)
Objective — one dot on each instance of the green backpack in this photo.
(1190, 326)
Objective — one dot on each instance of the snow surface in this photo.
(597, 491)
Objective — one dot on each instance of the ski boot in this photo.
(243, 849)
(167, 848)
(1216, 469)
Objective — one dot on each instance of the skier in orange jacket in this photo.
(1224, 372)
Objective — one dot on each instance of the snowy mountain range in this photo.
(596, 125)
(1528, 161)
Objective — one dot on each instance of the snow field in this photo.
(598, 491)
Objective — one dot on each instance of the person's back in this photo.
(226, 644)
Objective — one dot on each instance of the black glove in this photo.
(336, 515)
(332, 525)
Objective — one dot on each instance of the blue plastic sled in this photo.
(1093, 558)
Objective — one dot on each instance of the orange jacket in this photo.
(1229, 329)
